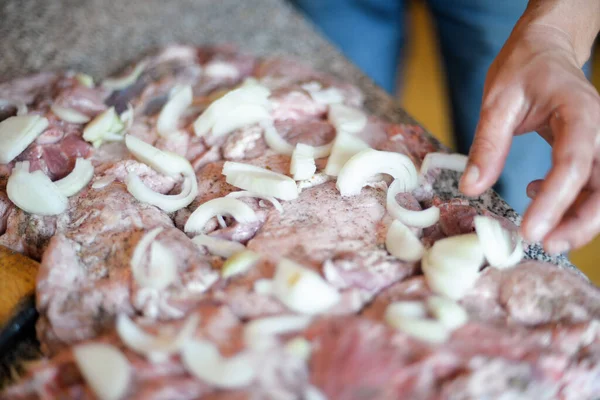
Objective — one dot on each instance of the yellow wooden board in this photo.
(17, 281)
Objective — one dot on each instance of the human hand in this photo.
(536, 83)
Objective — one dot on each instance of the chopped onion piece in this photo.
(418, 219)
(81, 175)
(203, 360)
(105, 369)
(180, 99)
(260, 180)
(330, 95)
(423, 329)
(402, 243)
(274, 140)
(219, 247)
(225, 115)
(344, 147)
(127, 80)
(221, 70)
(263, 286)
(239, 263)
(127, 116)
(17, 133)
(357, 171)
(303, 290)
(239, 210)
(405, 309)
(162, 268)
(85, 79)
(69, 115)
(303, 165)
(454, 162)
(262, 332)
(34, 192)
(245, 193)
(165, 162)
(103, 182)
(157, 348)
(346, 119)
(451, 314)
(106, 126)
(497, 243)
(20, 105)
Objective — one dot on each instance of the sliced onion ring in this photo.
(156, 348)
(454, 162)
(356, 172)
(69, 115)
(106, 126)
(34, 192)
(402, 243)
(281, 146)
(344, 147)
(245, 193)
(127, 80)
(203, 360)
(239, 263)
(239, 210)
(165, 162)
(217, 246)
(260, 180)
(262, 332)
(81, 175)
(303, 290)
(423, 329)
(417, 219)
(303, 166)
(162, 266)
(20, 105)
(347, 119)
(180, 99)
(451, 314)
(17, 133)
(497, 243)
(105, 369)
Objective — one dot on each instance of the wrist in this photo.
(571, 24)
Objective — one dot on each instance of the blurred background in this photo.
(425, 98)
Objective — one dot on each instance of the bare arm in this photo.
(536, 83)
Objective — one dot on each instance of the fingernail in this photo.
(539, 231)
(531, 193)
(470, 176)
(558, 247)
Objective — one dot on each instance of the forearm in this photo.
(577, 20)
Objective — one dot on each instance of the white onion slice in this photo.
(105, 369)
(21, 106)
(405, 309)
(423, 329)
(281, 146)
(226, 114)
(357, 171)
(103, 181)
(106, 126)
(327, 96)
(262, 332)
(245, 193)
(156, 348)
(239, 210)
(162, 268)
(347, 119)
(69, 115)
(454, 162)
(260, 180)
(81, 175)
(451, 314)
(263, 286)
(217, 246)
(34, 192)
(203, 360)
(166, 202)
(239, 263)
(303, 290)
(497, 243)
(127, 80)
(85, 79)
(165, 162)
(402, 243)
(344, 147)
(221, 221)
(418, 219)
(299, 347)
(17, 133)
(303, 166)
(127, 116)
(180, 99)
(221, 70)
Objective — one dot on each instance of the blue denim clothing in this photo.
(371, 33)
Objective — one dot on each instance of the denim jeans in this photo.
(371, 33)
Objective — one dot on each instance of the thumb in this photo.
(493, 137)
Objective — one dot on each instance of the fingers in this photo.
(534, 188)
(573, 154)
(497, 123)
